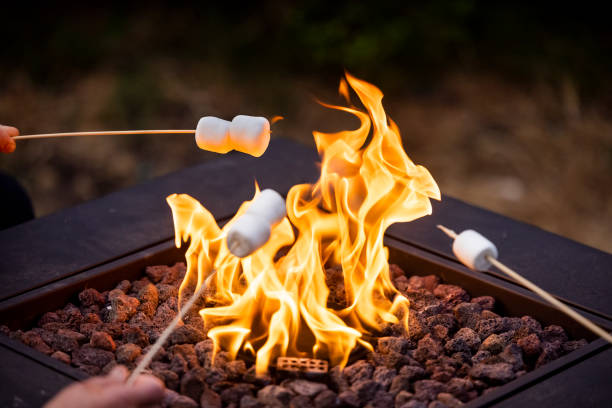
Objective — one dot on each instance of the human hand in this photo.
(110, 391)
(7, 144)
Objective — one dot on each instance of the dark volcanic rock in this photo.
(301, 401)
(366, 389)
(382, 399)
(451, 294)
(274, 396)
(91, 356)
(326, 399)
(61, 356)
(360, 370)
(468, 314)
(193, 383)
(427, 390)
(90, 297)
(186, 334)
(235, 393)
(384, 376)
(389, 344)
(102, 341)
(427, 348)
(530, 344)
(465, 340)
(499, 373)
(307, 388)
(127, 353)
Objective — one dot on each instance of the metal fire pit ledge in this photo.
(69, 246)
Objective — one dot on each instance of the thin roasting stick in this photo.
(106, 133)
(541, 292)
(144, 363)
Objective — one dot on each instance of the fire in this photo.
(274, 303)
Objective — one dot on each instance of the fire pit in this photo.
(367, 326)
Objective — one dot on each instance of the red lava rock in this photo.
(235, 370)
(465, 340)
(395, 271)
(402, 398)
(183, 401)
(186, 334)
(210, 398)
(235, 393)
(61, 356)
(427, 390)
(115, 329)
(462, 388)
(427, 348)
(499, 373)
(550, 352)
(420, 298)
(349, 399)
(412, 372)
(170, 378)
(303, 387)
(157, 272)
(338, 379)
(164, 292)
(486, 327)
(530, 344)
(102, 341)
(88, 355)
(428, 282)
(573, 345)
(193, 383)
(448, 400)
(49, 317)
(164, 314)
(90, 297)
(124, 286)
(247, 401)
(366, 389)
(187, 351)
(388, 344)
(360, 370)
(493, 344)
(135, 335)
(67, 340)
(382, 399)
(274, 396)
(468, 314)
(485, 302)
(174, 274)
(384, 376)
(443, 319)
(34, 340)
(401, 283)
(325, 399)
(122, 306)
(513, 355)
(451, 294)
(553, 333)
(300, 401)
(127, 353)
(400, 383)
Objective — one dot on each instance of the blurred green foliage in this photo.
(387, 41)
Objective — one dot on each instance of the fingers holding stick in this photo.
(7, 135)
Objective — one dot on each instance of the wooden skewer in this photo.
(144, 363)
(541, 292)
(106, 133)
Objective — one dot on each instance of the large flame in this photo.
(273, 305)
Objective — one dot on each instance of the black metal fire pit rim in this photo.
(43, 359)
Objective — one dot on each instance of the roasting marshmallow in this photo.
(247, 134)
(252, 230)
(472, 249)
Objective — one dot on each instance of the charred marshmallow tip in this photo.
(247, 134)
(252, 229)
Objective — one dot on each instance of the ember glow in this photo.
(272, 305)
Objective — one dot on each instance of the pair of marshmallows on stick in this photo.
(247, 134)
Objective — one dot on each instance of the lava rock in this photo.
(451, 294)
(127, 353)
(573, 345)
(300, 401)
(427, 390)
(67, 340)
(382, 399)
(487, 327)
(414, 403)
(465, 340)
(274, 396)
(307, 388)
(402, 398)
(427, 348)
(235, 393)
(193, 383)
(360, 370)
(399, 384)
(186, 334)
(326, 399)
(366, 389)
(34, 340)
(247, 401)
(499, 373)
(349, 398)
(444, 319)
(61, 356)
(91, 356)
(165, 292)
(338, 379)
(553, 333)
(384, 375)
(468, 314)
(102, 341)
(493, 344)
(136, 336)
(550, 352)
(462, 388)
(122, 306)
(235, 370)
(485, 302)
(513, 355)
(187, 351)
(389, 344)
(530, 344)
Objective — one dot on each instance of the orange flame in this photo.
(273, 305)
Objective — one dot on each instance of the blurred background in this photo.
(507, 104)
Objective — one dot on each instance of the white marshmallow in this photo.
(471, 249)
(250, 134)
(212, 134)
(252, 230)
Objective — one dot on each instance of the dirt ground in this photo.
(536, 153)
